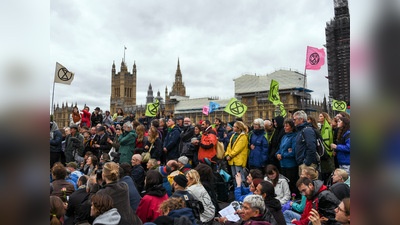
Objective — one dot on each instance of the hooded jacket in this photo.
(276, 139)
(85, 115)
(119, 193)
(282, 190)
(288, 159)
(148, 209)
(207, 144)
(325, 203)
(343, 149)
(134, 196)
(69, 148)
(273, 211)
(108, 120)
(201, 194)
(238, 151)
(96, 119)
(186, 136)
(111, 217)
(55, 138)
(259, 155)
(127, 144)
(241, 193)
(171, 142)
(306, 151)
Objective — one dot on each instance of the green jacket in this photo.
(69, 148)
(127, 145)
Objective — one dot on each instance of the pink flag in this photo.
(315, 58)
(205, 109)
(125, 47)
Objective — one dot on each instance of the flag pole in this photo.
(124, 52)
(52, 99)
(304, 88)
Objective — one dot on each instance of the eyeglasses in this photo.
(339, 209)
(256, 124)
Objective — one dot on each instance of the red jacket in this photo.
(148, 208)
(207, 144)
(86, 117)
(309, 205)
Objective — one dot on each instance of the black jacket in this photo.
(102, 141)
(327, 202)
(138, 175)
(155, 150)
(96, 119)
(273, 212)
(74, 205)
(276, 139)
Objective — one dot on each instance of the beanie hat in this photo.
(181, 180)
(256, 182)
(164, 170)
(183, 159)
(231, 124)
(205, 161)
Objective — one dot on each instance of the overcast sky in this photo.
(216, 41)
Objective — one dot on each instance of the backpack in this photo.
(321, 151)
(196, 206)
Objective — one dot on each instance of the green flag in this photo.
(283, 111)
(152, 108)
(339, 105)
(235, 107)
(273, 95)
(327, 136)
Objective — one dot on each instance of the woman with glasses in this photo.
(258, 146)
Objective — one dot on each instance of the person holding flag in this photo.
(327, 161)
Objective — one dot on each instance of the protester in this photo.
(240, 192)
(62, 188)
(144, 121)
(194, 144)
(196, 189)
(340, 175)
(253, 210)
(142, 137)
(306, 142)
(155, 194)
(101, 145)
(172, 140)
(276, 138)
(115, 143)
(179, 185)
(55, 143)
(152, 164)
(237, 151)
(85, 117)
(174, 211)
(96, 117)
(57, 211)
(70, 148)
(280, 183)
(87, 139)
(228, 135)
(75, 174)
(102, 209)
(343, 144)
(153, 144)
(206, 179)
(327, 161)
(174, 170)
(186, 136)
(286, 155)
(208, 142)
(184, 164)
(220, 129)
(165, 171)
(313, 122)
(119, 192)
(90, 166)
(75, 200)
(273, 213)
(108, 120)
(118, 116)
(127, 142)
(138, 174)
(125, 176)
(130, 118)
(342, 213)
(258, 146)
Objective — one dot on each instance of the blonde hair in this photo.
(154, 164)
(310, 171)
(241, 126)
(194, 175)
(111, 171)
(154, 135)
(140, 132)
(343, 174)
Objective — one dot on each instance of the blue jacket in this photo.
(138, 175)
(227, 139)
(306, 151)
(288, 159)
(259, 155)
(220, 133)
(167, 185)
(55, 143)
(134, 196)
(171, 143)
(177, 213)
(343, 149)
(241, 193)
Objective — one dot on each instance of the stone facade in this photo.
(123, 87)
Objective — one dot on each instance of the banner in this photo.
(339, 105)
(235, 108)
(283, 111)
(62, 75)
(315, 58)
(327, 136)
(213, 106)
(273, 95)
(205, 110)
(152, 108)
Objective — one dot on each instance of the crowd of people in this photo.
(113, 169)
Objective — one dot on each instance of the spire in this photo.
(178, 65)
(134, 64)
(150, 88)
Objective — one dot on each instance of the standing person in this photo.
(276, 141)
(87, 139)
(119, 192)
(55, 143)
(196, 189)
(96, 117)
(156, 124)
(228, 135)
(143, 120)
(287, 155)
(164, 130)
(142, 137)
(114, 143)
(194, 144)
(306, 142)
(85, 117)
(108, 120)
(258, 146)
(279, 182)
(208, 142)
(237, 151)
(179, 122)
(327, 161)
(172, 140)
(127, 143)
(153, 144)
(129, 118)
(75, 117)
(101, 145)
(219, 128)
(69, 144)
(342, 149)
(171, 115)
(186, 136)
(155, 194)
(313, 122)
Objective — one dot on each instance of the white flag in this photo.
(62, 75)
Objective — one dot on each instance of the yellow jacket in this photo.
(239, 151)
(172, 175)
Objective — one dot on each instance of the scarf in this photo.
(76, 117)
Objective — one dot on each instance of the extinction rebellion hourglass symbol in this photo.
(314, 59)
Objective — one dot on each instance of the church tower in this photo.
(123, 87)
(150, 97)
(178, 87)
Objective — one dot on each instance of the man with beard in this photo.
(318, 198)
(96, 117)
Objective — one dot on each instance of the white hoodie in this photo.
(282, 190)
(111, 217)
